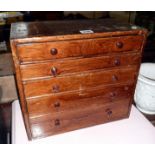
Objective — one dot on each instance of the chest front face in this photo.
(68, 79)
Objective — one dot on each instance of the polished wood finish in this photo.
(70, 30)
(83, 48)
(79, 81)
(74, 100)
(80, 112)
(84, 118)
(68, 80)
(20, 89)
(61, 67)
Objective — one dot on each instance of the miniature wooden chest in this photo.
(75, 74)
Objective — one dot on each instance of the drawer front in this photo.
(49, 125)
(77, 48)
(58, 68)
(79, 82)
(72, 101)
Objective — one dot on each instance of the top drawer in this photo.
(77, 48)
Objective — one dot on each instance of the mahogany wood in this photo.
(84, 48)
(78, 99)
(79, 81)
(80, 119)
(68, 80)
(62, 67)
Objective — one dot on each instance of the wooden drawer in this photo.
(50, 125)
(79, 81)
(66, 102)
(61, 67)
(77, 48)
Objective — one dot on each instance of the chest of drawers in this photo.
(69, 78)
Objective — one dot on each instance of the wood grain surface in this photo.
(64, 67)
(65, 102)
(68, 80)
(78, 48)
(79, 81)
(49, 125)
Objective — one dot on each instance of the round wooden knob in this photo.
(54, 51)
(109, 112)
(119, 44)
(54, 71)
(57, 104)
(126, 88)
(117, 62)
(112, 94)
(57, 122)
(55, 88)
(114, 78)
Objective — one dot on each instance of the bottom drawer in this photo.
(49, 125)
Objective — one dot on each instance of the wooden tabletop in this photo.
(66, 27)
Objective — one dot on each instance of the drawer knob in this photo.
(117, 62)
(112, 94)
(114, 78)
(126, 88)
(57, 104)
(109, 112)
(55, 88)
(119, 44)
(54, 71)
(57, 122)
(54, 51)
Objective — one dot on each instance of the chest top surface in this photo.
(72, 28)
